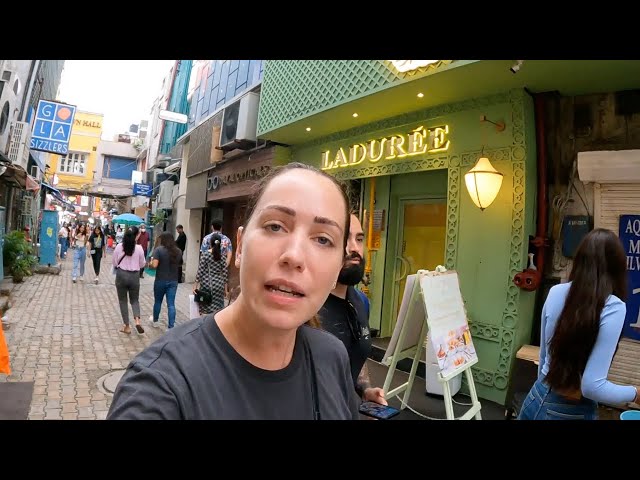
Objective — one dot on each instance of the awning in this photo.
(14, 175)
(32, 184)
(56, 194)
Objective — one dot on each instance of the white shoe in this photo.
(96, 281)
(154, 324)
(74, 279)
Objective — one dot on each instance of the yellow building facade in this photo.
(75, 170)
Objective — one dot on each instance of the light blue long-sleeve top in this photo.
(595, 385)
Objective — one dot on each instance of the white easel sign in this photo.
(432, 302)
(448, 325)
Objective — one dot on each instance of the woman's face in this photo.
(96, 230)
(291, 251)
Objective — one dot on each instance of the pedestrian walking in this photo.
(97, 250)
(63, 239)
(143, 240)
(79, 246)
(212, 278)
(165, 260)
(127, 259)
(181, 242)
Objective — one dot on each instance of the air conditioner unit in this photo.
(240, 122)
(19, 147)
(165, 193)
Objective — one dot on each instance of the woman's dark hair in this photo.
(599, 270)
(167, 241)
(264, 183)
(129, 241)
(216, 246)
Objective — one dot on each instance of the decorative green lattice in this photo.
(453, 212)
(419, 165)
(294, 89)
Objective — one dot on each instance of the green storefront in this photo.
(415, 161)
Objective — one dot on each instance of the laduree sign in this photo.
(418, 141)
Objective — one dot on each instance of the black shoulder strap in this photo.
(314, 381)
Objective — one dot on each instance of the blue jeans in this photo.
(79, 257)
(64, 244)
(160, 289)
(542, 403)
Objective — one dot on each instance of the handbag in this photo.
(115, 269)
(203, 295)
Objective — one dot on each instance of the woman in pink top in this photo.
(128, 259)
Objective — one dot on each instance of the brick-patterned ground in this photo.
(64, 337)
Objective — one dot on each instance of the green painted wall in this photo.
(486, 248)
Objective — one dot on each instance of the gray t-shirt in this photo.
(166, 270)
(193, 373)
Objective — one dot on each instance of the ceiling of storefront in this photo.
(477, 79)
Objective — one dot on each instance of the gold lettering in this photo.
(439, 143)
(341, 159)
(395, 146)
(373, 158)
(326, 163)
(353, 154)
(419, 141)
(416, 141)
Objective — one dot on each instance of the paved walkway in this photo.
(64, 337)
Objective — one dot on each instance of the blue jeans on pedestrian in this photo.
(160, 289)
(542, 403)
(64, 244)
(79, 257)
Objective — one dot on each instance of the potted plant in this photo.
(17, 255)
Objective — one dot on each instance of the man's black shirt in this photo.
(348, 320)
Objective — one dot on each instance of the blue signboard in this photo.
(630, 236)
(144, 189)
(48, 237)
(52, 127)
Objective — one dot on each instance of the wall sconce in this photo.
(483, 183)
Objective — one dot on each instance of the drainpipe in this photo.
(541, 241)
(367, 268)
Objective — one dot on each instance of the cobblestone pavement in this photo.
(64, 337)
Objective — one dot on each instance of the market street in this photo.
(64, 337)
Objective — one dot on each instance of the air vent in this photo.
(628, 102)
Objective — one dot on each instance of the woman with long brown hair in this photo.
(581, 325)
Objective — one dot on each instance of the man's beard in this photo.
(352, 274)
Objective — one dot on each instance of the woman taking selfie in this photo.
(581, 325)
(255, 359)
